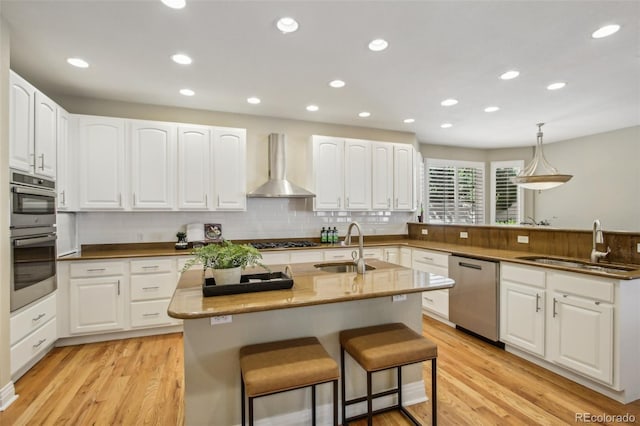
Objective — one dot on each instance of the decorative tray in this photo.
(248, 284)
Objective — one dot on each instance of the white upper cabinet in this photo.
(45, 136)
(357, 174)
(403, 177)
(153, 162)
(32, 129)
(21, 128)
(382, 176)
(228, 157)
(194, 170)
(328, 172)
(63, 151)
(101, 143)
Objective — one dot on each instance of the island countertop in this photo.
(311, 287)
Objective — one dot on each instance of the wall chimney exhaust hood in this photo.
(278, 186)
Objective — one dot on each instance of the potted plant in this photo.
(225, 260)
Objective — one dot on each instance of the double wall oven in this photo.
(33, 238)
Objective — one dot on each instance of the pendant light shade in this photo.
(539, 174)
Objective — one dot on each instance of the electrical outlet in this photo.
(424, 231)
(638, 247)
(523, 239)
(399, 297)
(221, 319)
(464, 234)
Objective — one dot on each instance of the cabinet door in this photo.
(101, 146)
(392, 255)
(382, 176)
(97, 304)
(328, 173)
(62, 161)
(405, 257)
(193, 167)
(581, 336)
(21, 126)
(153, 162)
(403, 177)
(45, 135)
(357, 175)
(229, 160)
(522, 316)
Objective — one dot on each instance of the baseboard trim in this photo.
(412, 393)
(103, 337)
(7, 396)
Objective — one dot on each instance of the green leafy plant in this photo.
(225, 255)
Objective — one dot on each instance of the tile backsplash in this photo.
(264, 218)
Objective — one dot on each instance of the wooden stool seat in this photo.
(274, 367)
(382, 347)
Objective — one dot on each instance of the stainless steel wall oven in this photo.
(33, 239)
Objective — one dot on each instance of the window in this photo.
(506, 197)
(454, 191)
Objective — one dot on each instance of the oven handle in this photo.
(34, 191)
(30, 241)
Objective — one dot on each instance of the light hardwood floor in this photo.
(139, 381)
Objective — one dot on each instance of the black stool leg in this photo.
(242, 398)
(399, 386)
(335, 403)
(369, 401)
(342, 388)
(250, 411)
(434, 399)
(313, 405)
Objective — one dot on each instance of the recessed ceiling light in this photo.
(491, 109)
(605, 31)
(337, 83)
(378, 45)
(253, 100)
(556, 86)
(77, 62)
(181, 58)
(287, 25)
(312, 108)
(449, 102)
(510, 75)
(446, 125)
(175, 4)
(409, 120)
(364, 114)
(187, 92)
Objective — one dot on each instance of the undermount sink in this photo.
(338, 267)
(577, 264)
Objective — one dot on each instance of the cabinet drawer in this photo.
(302, 256)
(581, 285)
(372, 253)
(436, 301)
(151, 313)
(152, 286)
(523, 274)
(32, 318)
(430, 258)
(32, 345)
(276, 258)
(339, 254)
(95, 269)
(151, 266)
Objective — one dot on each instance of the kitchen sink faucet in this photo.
(597, 237)
(359, 262)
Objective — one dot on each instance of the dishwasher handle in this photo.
(470, 265)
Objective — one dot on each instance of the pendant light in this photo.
(539, 174)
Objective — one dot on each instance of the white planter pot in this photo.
(227, 276)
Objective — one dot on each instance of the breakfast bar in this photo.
(319, 304)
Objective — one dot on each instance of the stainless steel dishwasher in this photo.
(473, 300)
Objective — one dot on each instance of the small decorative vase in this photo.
(227, 276)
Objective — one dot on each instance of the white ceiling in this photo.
(438, 49)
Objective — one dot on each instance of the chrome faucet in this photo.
(598, 237)
(359, 262)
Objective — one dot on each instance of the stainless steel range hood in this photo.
(278, 186)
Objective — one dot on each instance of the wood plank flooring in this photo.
(139, 381)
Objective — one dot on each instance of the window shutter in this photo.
(506, 202)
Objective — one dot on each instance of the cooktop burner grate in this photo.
(283, 244)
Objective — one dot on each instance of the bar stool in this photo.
(383, 347)
(274, 367)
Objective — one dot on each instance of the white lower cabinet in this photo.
(436, 301)
(97, 304)
(32, 331)
(152, 284)
(302, 256)
(391, 255)
(580, 322)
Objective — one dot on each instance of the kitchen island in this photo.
(319, 304)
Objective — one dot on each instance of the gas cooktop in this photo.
(283, 244)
